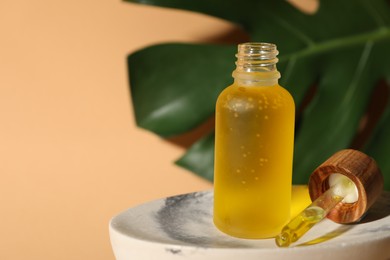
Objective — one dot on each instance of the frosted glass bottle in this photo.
(253, 147)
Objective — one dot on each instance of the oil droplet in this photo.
(252, 171)
(260, 108)
(256, 178)
(244, 155)
(238, 171)
(266, 117)
(242, 147)
(235, 115)
(257, 135)
(243, 182)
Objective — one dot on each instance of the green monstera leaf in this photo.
(343, 50)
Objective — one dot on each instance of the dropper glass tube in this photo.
(305, 220)
(318, 210)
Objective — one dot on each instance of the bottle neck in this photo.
(256, 65)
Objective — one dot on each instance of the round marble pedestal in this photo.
(181, 227)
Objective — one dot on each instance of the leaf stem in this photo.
(382, 33)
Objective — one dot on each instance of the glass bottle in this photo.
(253, 147)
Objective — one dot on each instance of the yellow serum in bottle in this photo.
(253, 147)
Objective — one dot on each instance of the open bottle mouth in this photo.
(256, 57)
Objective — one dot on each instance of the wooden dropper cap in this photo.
(358, 167)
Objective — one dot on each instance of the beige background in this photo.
(71, 156)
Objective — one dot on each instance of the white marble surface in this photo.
(181, 227)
